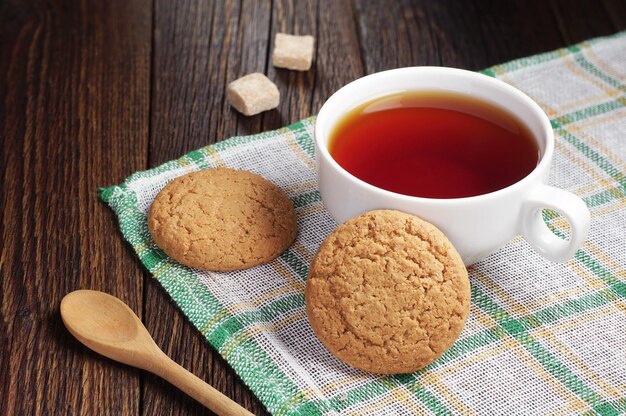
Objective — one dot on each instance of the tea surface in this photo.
(434, 145)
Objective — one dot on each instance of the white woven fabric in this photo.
(541, 338)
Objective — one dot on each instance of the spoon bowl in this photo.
(109, 327)
(98, 316)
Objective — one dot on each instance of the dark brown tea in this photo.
(434, 145)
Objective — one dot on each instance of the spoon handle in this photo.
(196, 388)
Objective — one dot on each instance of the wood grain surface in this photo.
(91, 91)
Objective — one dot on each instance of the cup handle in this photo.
(537, 233)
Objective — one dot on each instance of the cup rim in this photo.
(545, 157)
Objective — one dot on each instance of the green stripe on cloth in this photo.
(231, 325)
(605, 197)
(303, 138)
(609, 409)
(306, 199)
(564, 310)
(294, 262)
(585, 113)
(257, 320)
(199, 158)
(594, 156)
(592, 69)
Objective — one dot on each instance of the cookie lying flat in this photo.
(222, 219)
(387, 293)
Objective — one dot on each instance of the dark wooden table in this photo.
(91, 91)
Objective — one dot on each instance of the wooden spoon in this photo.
(109, 327)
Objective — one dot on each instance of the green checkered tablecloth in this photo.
(541, 338)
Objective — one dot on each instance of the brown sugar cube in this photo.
(253, 94)
(293, 52)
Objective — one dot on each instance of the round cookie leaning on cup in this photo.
(387, 293)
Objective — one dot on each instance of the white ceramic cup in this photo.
(477, 225)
